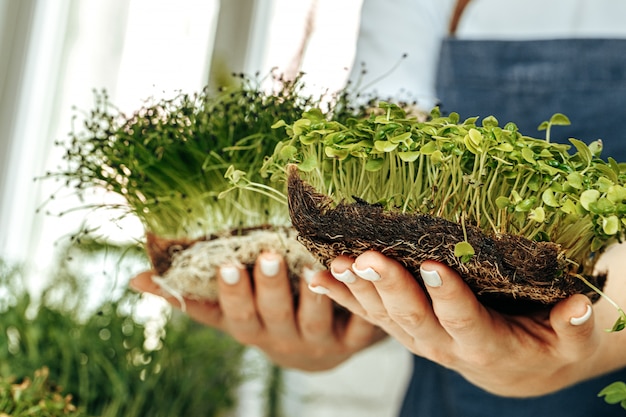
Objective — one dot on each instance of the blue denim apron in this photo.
(526, 82)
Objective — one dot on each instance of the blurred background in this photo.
(53, 55)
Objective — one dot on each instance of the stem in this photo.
(621, 312)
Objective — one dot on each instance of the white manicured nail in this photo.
(346, 276)
(230, 274)
(431, 278)
(308, 274)
(577, 321)
(270, 266)
(319, 289)
(367, 274)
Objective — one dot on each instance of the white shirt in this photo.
(389, 29)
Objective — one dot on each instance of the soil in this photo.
(508, 273)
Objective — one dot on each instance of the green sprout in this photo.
(490, 176)
(472, 171)
(169, 159)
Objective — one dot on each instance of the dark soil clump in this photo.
(509, 273)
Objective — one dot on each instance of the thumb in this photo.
(574, 324)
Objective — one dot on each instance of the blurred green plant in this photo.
(109, 360)
(34, 397)
(167, 160)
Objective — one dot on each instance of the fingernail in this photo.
(319, 289)
(269, 266)
(229, 274)
(346, 276)
(431, 278)
(367, 274)
(577, 321)
(308, 274)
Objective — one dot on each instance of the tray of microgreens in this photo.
(522, 219)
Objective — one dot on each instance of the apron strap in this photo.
(456, 16)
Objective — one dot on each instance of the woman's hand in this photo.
(262, 313)
(506, 355)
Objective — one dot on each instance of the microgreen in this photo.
(615, 393)
(466, 171)
(168, 159)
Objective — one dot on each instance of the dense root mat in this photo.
(507, 272)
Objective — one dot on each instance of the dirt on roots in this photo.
(507, 272)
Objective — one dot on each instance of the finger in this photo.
(456, 307)
(360, 333)
(573, 322)
(324, 284)
(274, 298)
(354, 332)
(203, 311)
(362, 289)
(405, 301)
(315, 314)
(237, 302)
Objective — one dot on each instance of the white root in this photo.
(193, 270)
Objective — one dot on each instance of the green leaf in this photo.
(409, 156)
(373, 165)
(287, 152)
(475, 137)
(528, 155)
(301, 126)
(620, 323)
(614, 393)
(603, 207)
(589, 196)
(437, 157)
(616, 193)
(464, 250)
(525, 205)
(575, 180)
(340, 154)
(596, 147)
(502, 202)
(234, 175)
(385, 146)
(608, 171)
(568, 207)
(402, 138)
(309, 164)
(583, 150)
(490, 121)
(429, 148)
(538, 214)
(559, 119)
(278, 124)
(543, 126)
(614, 166)
(550, 170)
(610, 225)
(603, 184)
(516, 197)
(504, 147)
(596, 244)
